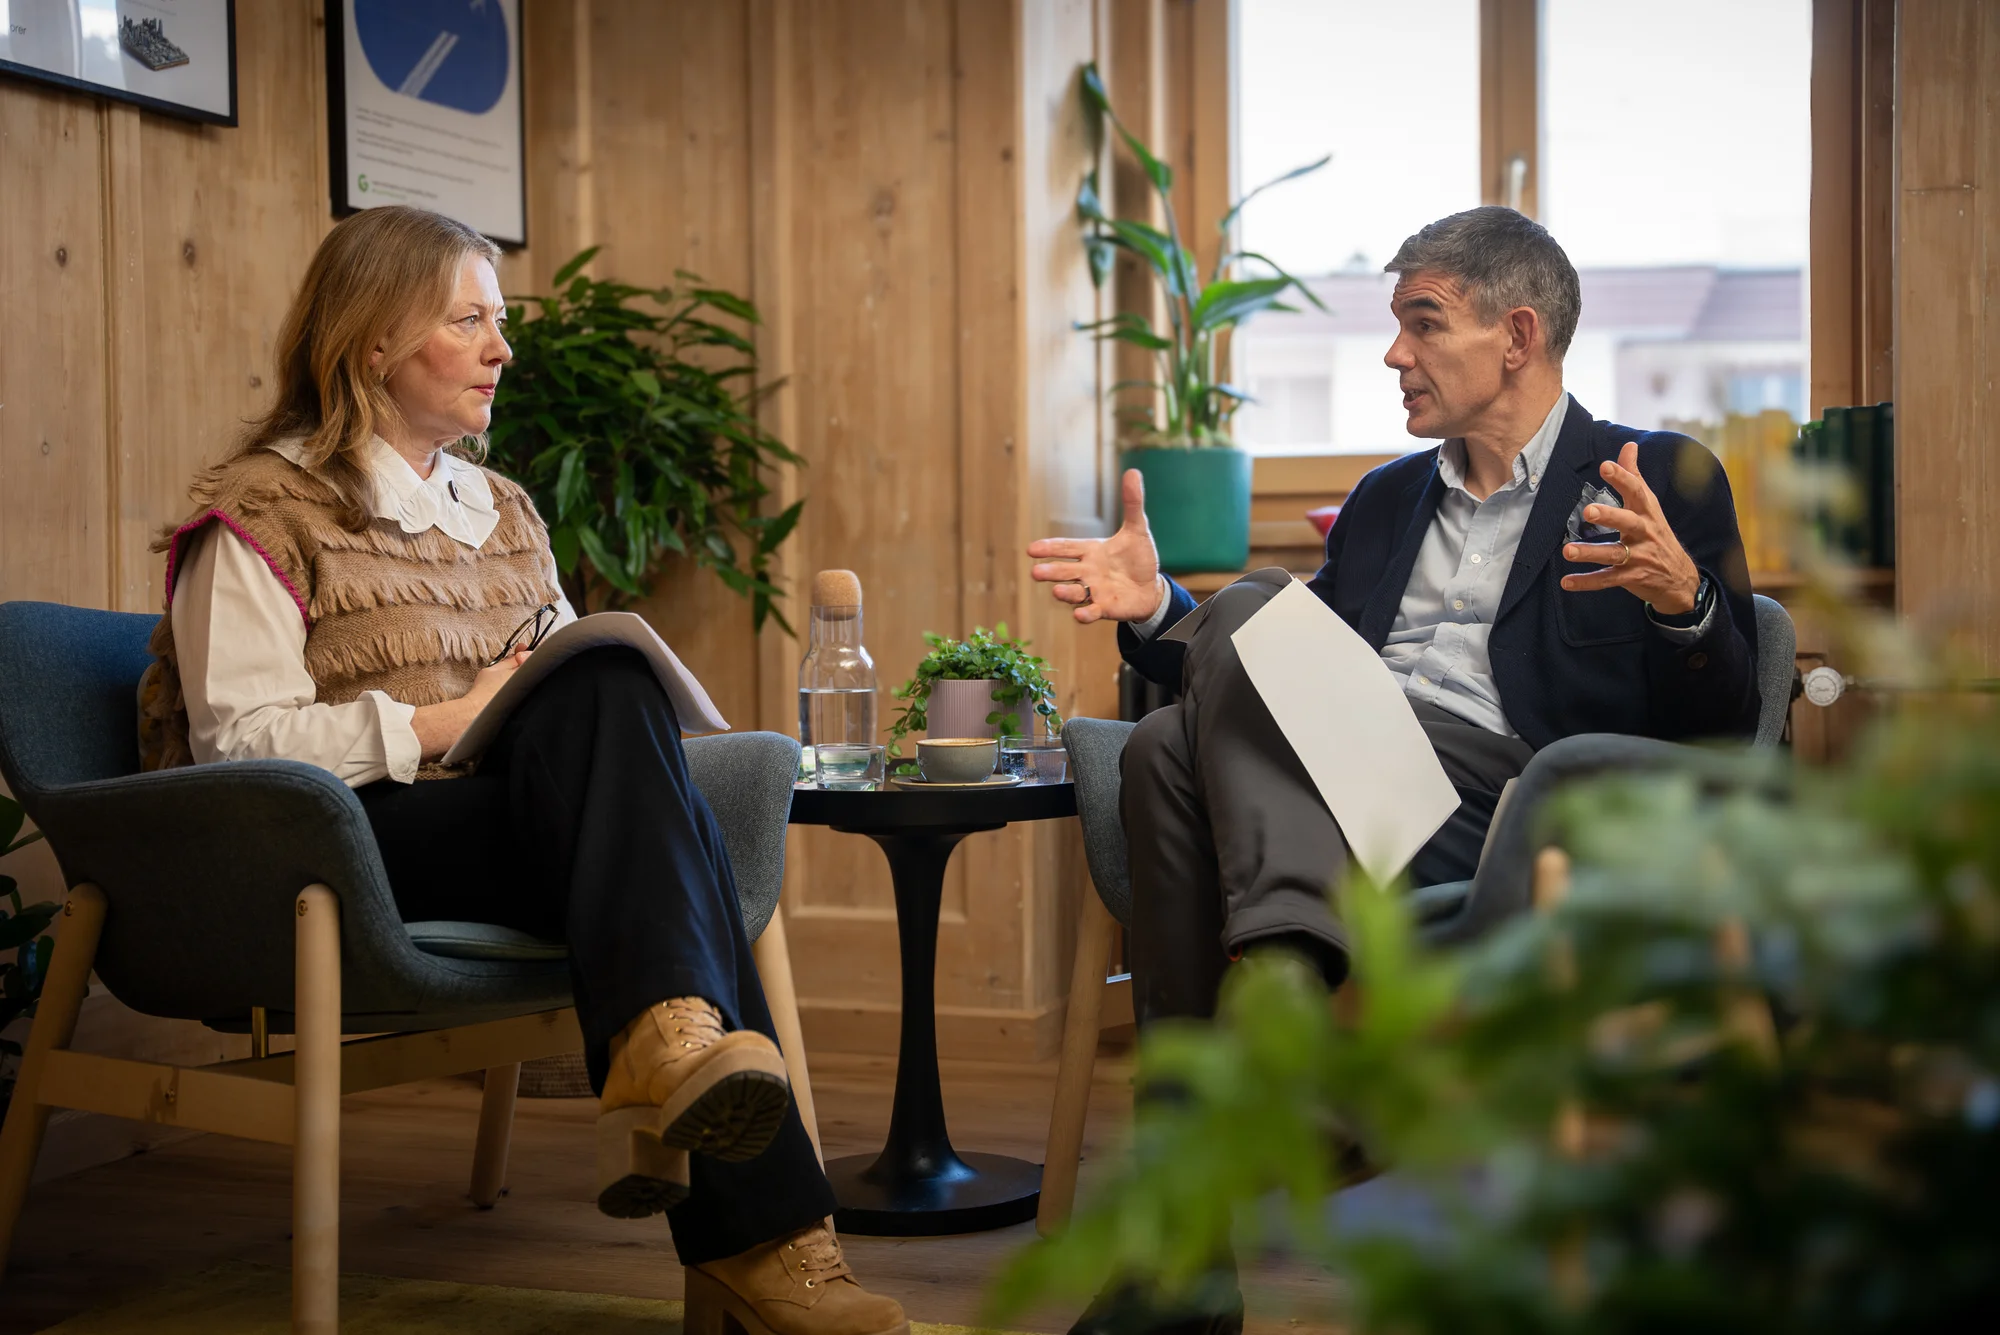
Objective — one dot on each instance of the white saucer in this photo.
(990, 781)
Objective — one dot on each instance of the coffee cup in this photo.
(957, 759)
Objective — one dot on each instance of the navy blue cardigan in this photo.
(1564, 662)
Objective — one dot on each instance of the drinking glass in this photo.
(1035, 759)
(848, 766)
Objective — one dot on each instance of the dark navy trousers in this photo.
(582, 825)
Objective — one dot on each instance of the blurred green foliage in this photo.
(629, 414)
(1745, 1077)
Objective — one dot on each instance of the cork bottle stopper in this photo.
(836, 588)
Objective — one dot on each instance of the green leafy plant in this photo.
(22, 932)
(630, 415)
(984, 655)
(1744, 1077)
(1193, 408)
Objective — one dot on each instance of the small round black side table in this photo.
(919, 1185)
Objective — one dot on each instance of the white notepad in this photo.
(692, 706)
(1350, 724)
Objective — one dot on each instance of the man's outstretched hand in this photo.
(1116, 577)
(1648, 560)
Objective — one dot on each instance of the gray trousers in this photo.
(1230, 842)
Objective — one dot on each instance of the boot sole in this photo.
(640, 1177)
(713, 1308)
(730, 1110)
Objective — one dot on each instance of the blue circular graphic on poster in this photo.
(451, 52)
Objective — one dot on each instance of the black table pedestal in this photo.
(919, 1185)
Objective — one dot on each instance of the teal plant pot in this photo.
(1198, 503)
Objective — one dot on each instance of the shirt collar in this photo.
(1529, 464)
(455, 499)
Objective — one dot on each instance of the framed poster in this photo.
(425, 108)
(176, 56)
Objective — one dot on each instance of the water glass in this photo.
(848, 766)
(1034, 759)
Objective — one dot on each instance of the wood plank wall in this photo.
(890, 179)
(1947, 319)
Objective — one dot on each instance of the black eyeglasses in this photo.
(537, 628)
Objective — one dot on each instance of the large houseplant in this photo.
(1197, 482)
(1745, 1077)
(630, 415)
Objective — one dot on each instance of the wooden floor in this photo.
(126, 1226)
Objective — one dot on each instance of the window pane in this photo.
(1676, 171)
(1319, 76)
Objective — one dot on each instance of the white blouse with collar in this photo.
(242, 644)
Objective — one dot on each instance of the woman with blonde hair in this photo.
(350, 590)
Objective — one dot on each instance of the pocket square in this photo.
(1581, 529)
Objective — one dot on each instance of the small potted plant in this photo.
(975, 687)
(1197, 481)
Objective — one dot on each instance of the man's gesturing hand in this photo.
(1650, 561)
(1116, 577)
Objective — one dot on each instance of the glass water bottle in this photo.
(836, 677)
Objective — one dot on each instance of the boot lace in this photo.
(690, 1022)
(816, 1252)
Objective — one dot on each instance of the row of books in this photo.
(1836, 477)
(1855, 447)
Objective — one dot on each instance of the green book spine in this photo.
(1885, 483)
(1861, 443)
(1836, 459)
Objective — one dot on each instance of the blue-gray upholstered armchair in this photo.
(1453, 912)
(250, 896)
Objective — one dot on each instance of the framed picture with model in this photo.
(175, 56)
(425, 108)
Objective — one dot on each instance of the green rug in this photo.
(239, 1299)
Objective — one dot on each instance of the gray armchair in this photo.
(1452, 912)
(250, 896)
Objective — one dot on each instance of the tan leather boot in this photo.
(798, 1285)
(677, 1083)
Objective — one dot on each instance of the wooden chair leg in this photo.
(53, 1028)
(774, 970)
(316, 1138)
(1081, 1027)
(496, 1129)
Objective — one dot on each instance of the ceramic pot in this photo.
(959, 709)
(1198, 503)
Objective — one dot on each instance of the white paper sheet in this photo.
(1350, 724)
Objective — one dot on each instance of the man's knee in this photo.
(1155, 754)
(1238, 602)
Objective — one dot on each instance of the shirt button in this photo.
(1475, 558)
(1458, 604)
(1423, 681)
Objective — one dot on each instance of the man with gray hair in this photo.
(1536, 575)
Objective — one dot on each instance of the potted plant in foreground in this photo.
(1197, 482)
(975, 687)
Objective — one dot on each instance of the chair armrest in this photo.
(1504, 883)
(1096, 749)
(200, 866)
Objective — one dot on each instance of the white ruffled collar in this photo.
(455, 499)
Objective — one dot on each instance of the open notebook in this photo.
(692, 706)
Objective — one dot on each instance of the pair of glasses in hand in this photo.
(535, 628)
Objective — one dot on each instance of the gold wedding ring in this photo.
(1625, 554)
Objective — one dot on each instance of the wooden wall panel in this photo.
(211, 231)
(1948, 286)
(54, 539)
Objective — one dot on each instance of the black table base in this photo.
(919, 1186)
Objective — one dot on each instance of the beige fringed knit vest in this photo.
(414, 615)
